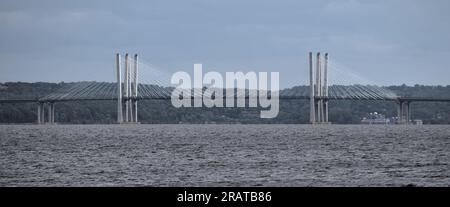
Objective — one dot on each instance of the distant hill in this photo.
(161, 111)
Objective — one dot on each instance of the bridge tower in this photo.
(127, 92)
(318, 79)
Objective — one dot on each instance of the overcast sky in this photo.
(388, 42)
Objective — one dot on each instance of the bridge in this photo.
(127, 92)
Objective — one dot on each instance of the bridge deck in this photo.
(99, 91)
(403, 99)
(18, 100)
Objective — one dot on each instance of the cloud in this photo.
(83, 35)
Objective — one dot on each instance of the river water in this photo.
(224, 155)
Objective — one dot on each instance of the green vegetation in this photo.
(161, 111)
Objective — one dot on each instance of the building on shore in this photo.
(375, 118)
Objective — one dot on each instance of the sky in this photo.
(384, 42)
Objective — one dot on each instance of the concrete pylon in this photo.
(403, 112)
(400, 112)
(119, 90)
(52, 113)
(318, 89)
(135, 88)
(42, 113)
(130, 93)
(125, 90)
(49, 113)
(325, 88)
(312, 104)
(408, 113)
(39, 113)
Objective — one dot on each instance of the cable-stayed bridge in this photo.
(127, 91)
(108, 91)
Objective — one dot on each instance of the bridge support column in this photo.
(39, 113)
(325, 88)
(52, 118)
(400, 112)
(50, 113)
(43, 114)
(126, 80)
(127, 93)
(130, 91)
(119, 90)
(408, 113)
(135, 89)
(318, 90)
(312, 104)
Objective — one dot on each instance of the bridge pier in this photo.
(408, 112)
(399, 112)
(318, 90)
(39, 113)
(50, 113)
(404, 112)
